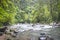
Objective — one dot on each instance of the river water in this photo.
(34, 33)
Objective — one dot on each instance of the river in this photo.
(33, 33)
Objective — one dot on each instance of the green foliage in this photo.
(37, 11)
(58, 9)
(30, 11)
(7, 12)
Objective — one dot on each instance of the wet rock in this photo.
(8, 39)
(1, 33)
(3, 29)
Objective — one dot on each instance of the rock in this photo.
(1, 33)
(2, 37)
(8, 39)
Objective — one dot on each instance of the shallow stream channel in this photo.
(32, 32)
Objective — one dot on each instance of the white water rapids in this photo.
(24, 27)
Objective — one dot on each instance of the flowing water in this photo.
(33, 32)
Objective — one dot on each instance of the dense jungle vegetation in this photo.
(29, 11)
